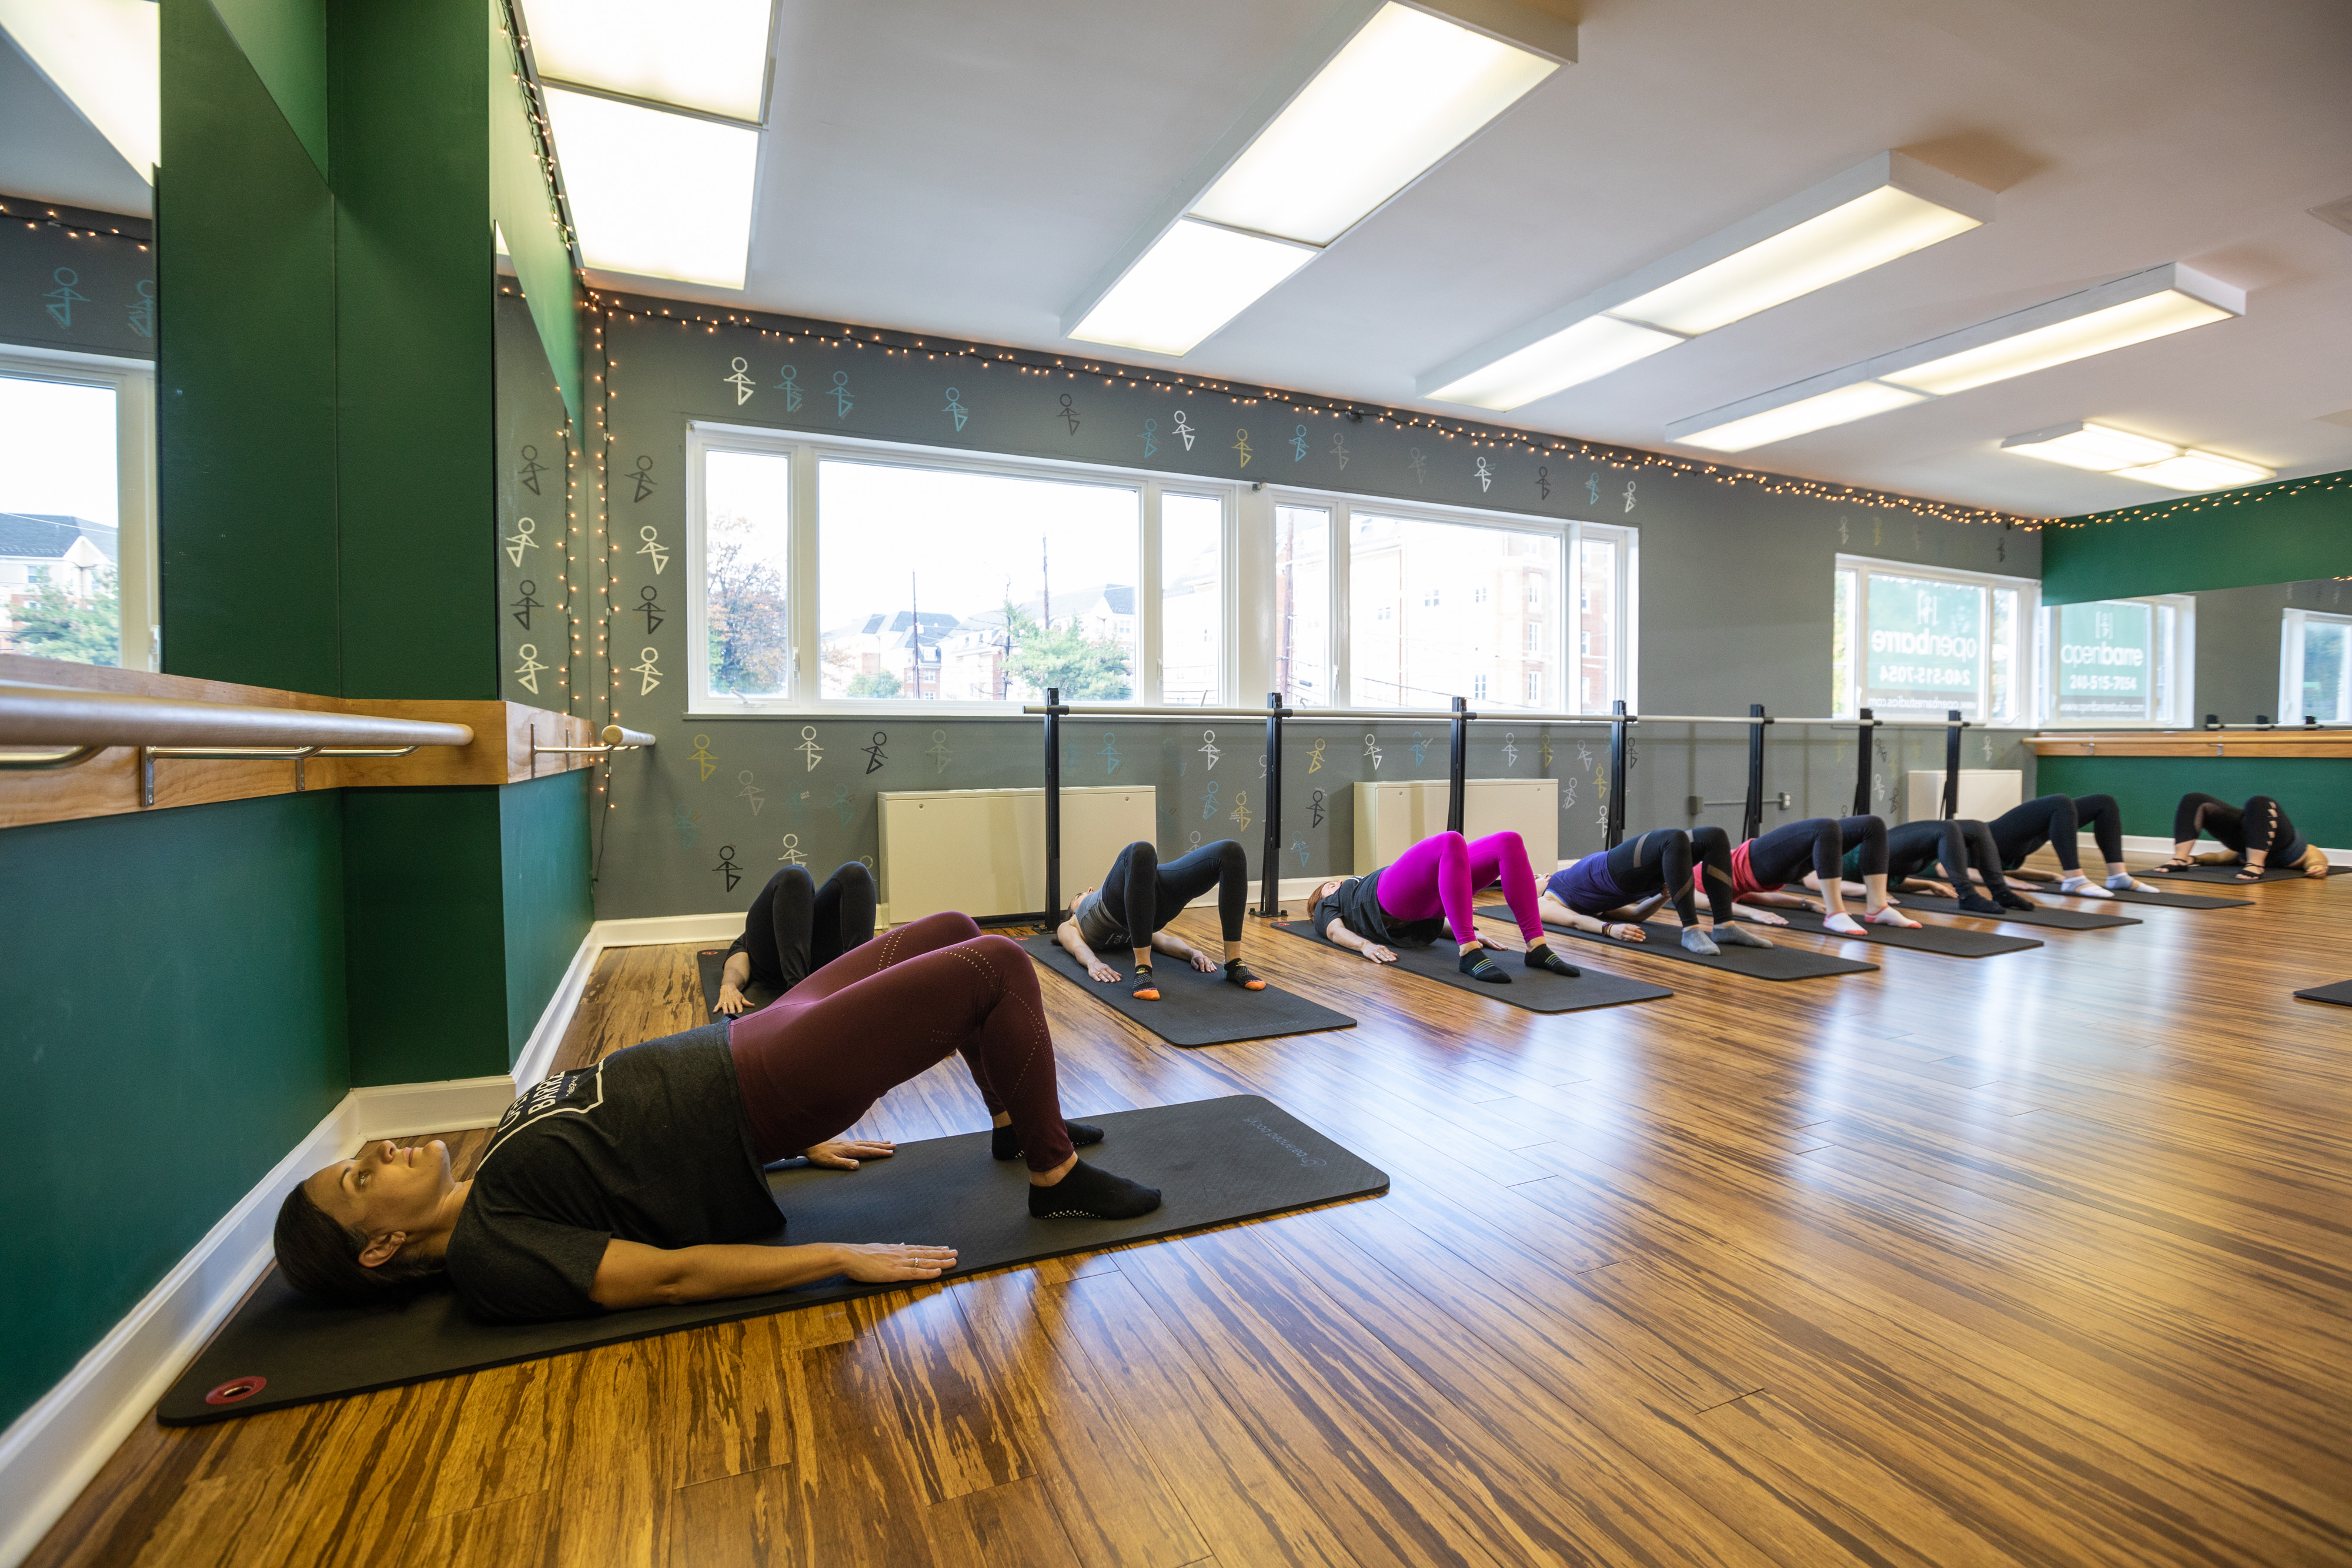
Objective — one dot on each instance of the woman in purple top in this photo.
(1633, 879)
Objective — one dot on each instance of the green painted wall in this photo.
(172, 993)
(2316, 790)
(2240, 538)
(287, 41)
(246, 375)
(524, 210)
(548, 903)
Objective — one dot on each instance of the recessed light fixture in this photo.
(1883, 208)
(711, 57)
(1382, 93)
(616, 157)
(104, 56)
(2108, 450)
(2134, 310)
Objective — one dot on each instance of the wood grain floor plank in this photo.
(1008, 1526)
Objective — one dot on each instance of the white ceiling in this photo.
(962, 169)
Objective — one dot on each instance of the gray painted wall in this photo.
(1734, 608)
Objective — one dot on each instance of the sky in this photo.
(56, 449)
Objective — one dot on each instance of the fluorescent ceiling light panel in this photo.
(1406, 90)
(1578, 352)
(104, 56)
(2134, 310)
(1840, 405)
(710, 56)
(2194, 470)
(2098, 447)
(1195, 279)
(655, 194)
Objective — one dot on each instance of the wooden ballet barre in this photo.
(613, 736)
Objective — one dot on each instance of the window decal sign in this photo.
(1926, 646)
(2105, 660)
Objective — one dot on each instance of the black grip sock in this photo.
(2008, 900)
(1005, 1144)
(1977, 904)
(1541, 957)
(1147, 990)
(1478, 967)
(1240, 974)
(1090, 1194)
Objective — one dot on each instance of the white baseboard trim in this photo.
(2141, 843)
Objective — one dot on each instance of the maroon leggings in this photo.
(813, 1061)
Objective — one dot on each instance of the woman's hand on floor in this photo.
(1625, 931)
(730, 999)
(1202, 962)
(877, 1262)
(843, 1154)
(1377, 954)
(1098, 970)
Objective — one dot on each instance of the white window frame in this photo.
(802, 595)
(2178, 714)
(1566, 589)
(138, 577)
(2029, 611)
(2291, 627)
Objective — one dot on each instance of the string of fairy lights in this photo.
(1033, 362)
(34, 216)
(2253, 497)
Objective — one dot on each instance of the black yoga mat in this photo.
(1194, 1008)
(713, 962)
(1215, 1161)
(2341, 993)
(1950, 941)
(1538, 991)
(2229, 874)
(1666, 941)
(2172, 900)
(2041, 914)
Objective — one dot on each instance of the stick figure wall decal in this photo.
(1418, 464)
(1315, 804)
(653, 547)
(793, 850)
(1420, 747)
(1298, 847)
(1314, 759)
(1372, 751)
(1298, 444)
(142, 309)
(648, 609)
(1150, 442)
(939, 751)
(526, 475)
(1240, 811)
(701, 755)
(842, 403)
(1510, 751)
(1208, 748)
(1592, 489)
(1184, 429)
(873, 757)
(1628, 494)
(726, 866)
(751, 791)
(1486, 476)
(64, 297)
(643, 476)
(955, 409)
(1339, 448)
(648, 669)
(1109, 753)
(808, 746)
(790, 389)
(741, 380)
(688, 824)
(1241, 446)
(1209, 800)
(526, 604)
(1069, 415)
(527, 672)
(521, 540)
(1543, 483)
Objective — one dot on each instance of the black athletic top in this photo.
(1358, 902)
(647, 1146)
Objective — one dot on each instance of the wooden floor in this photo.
(2042, 1258)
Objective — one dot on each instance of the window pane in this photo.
(59, 595)
(1302, 605)
(940, 584)
(2006, 672)
(2326, 649)
(1841, 636)
(1459, 599)
(2106, 665)
(745, 510)
(1192, 598)
(1926, 647)
(1596, 625)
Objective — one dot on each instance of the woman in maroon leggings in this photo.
(636, 1181)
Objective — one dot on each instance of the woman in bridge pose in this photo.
(2058, 820)
(2258, 834)
(1140, 896)
(636, 1181)
(1612, 892)
(1814, 850)
(795, 928)
(1967, 853)
(1427, 893)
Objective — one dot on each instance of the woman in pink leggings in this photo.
(1428, 890)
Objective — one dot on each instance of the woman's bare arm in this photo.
(1341, 936)
(632, 1274)
(1066, 934)
(732, 979)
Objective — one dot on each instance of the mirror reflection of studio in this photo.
(1276, 781)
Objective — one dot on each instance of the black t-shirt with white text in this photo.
(647, 1146)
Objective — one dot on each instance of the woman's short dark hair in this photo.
(321, 1257)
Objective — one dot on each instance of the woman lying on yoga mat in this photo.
(2058, 820)
(1633, 879)
(795, 928)
(637, 1182)
(1140, 895)
(2258, 832)
(1963, 846)
(1761, 867)
(1428, 890)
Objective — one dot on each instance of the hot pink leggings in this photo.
(1441, 872)
(812, 1062)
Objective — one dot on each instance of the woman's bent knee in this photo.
(946, 927)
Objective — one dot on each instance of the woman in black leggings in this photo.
(2258, 832)
(1633, 879)
(1140, 896)
(1815, 850)
(795, 928)
(1963, 846)
(2058, 820)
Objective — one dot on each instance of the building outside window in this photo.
(2316, 668)
(77, 506)
(1301, 665)
(1913, 642)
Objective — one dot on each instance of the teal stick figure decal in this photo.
(955, 409)
(1209, 800)
(64, 296)
(1150, 436)
(842, 403)
(790, 389)
(1298, 444)
(1109, 753)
